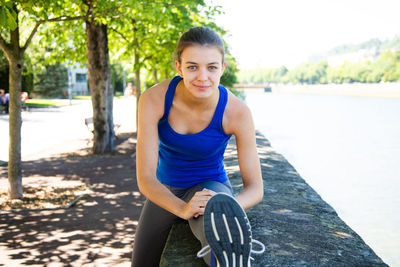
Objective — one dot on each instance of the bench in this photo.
(297, 227)
(90, 127)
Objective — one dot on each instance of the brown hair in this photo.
(202, 36)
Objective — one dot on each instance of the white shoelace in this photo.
(205, 250)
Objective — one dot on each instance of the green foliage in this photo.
(393, 44)
(66, 46)
(148, 29)
(386, 68)
(117, 74)
(27, 74)
(229, 77)
(259, 76)
(310, 73)
(4, 70)
(7, 15)
(374, 43)
(146, 36)
(52, 82)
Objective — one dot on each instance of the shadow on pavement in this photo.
(97, 231)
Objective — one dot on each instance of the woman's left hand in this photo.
(197, 204)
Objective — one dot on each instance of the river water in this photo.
(348, 149)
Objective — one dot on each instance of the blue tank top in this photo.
(185, 160)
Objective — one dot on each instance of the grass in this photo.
(88, 97)
(85, 97)
(38, 103)
(44, 103)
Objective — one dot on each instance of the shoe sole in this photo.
(228, 231)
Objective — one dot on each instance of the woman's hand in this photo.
(195, 207)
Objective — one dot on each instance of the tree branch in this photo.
(40, 22)
(120, 34)
(3, 45)
(160, 3)
(111, 10)
(62, 18)
(28, 41)
(147, 58)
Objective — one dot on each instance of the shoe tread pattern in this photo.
(224, 204)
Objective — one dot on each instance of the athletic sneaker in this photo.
(228, 232)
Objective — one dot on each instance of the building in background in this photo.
(78, 80)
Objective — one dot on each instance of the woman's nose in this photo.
(202, 74)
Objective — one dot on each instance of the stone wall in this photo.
(296, 225)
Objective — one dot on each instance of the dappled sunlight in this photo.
(66, 236)
(283, 211)
(293, 172)
(104, 186)
(136, 194)
(342, 235)
(267, 165)
(98, 231)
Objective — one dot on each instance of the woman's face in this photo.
(201, 68)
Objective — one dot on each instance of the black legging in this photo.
(155, 224)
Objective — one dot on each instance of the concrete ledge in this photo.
(296, 225)
(181, 248)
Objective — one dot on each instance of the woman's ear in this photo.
(178, 68)
(223, 67)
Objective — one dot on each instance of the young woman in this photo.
(184, 126)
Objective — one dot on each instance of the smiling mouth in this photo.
(202, 86)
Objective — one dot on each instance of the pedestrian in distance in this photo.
(4, 100)
(184, 125)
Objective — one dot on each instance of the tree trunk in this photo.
(137, 85)
(166, 74)
(155, 75)
(14, 55)
(100, 87)
(15, 122)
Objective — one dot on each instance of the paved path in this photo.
(45, 130)
(98, 231)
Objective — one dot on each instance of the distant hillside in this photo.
(372, 61)
(393, 44)
(374, 44)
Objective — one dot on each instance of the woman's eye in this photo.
(192, 67)
(212, 68)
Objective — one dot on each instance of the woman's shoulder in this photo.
(236, 114)
(153, 98)
(155, 95)
(235, 106)
(157, 91)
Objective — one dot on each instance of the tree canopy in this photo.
(43, 36)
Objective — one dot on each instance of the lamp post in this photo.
(70, 85)
(124, 83)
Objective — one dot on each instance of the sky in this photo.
(271, 33)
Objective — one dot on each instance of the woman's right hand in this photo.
(197, 204)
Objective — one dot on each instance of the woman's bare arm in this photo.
(239, 122)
